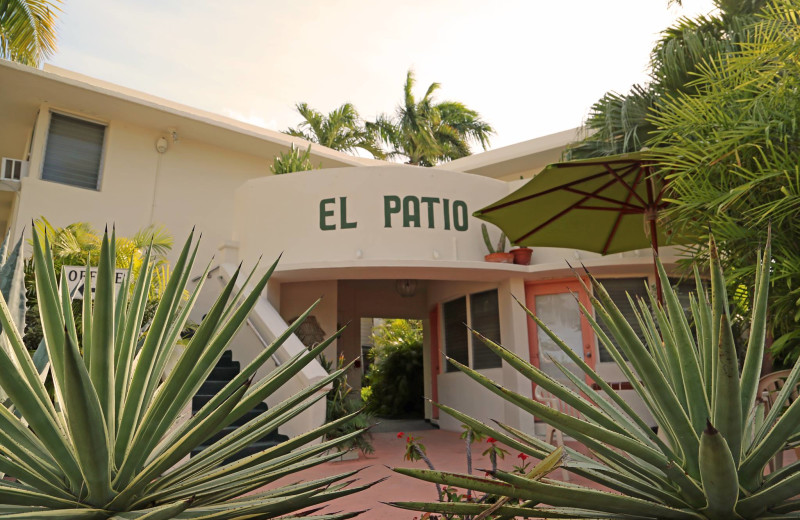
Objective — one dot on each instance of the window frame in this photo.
(103, 147)
(447, 368)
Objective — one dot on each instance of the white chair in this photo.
(552, 435)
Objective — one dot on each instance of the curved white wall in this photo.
(401, 213)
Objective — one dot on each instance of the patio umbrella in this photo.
(604, 205)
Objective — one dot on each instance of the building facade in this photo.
(373, 239)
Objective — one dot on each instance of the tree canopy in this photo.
(731, 145)
(28, 30)
(424, 132)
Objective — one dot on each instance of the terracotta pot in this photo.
(522, 255)
(502, 258)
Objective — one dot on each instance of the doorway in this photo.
(393, 380)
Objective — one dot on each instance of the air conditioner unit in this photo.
(13, 169)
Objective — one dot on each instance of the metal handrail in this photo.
(263, 342)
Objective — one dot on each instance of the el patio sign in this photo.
(76, 276)
(407, 212)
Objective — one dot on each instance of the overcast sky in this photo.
(530, 67)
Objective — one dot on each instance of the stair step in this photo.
(224, 373)
(272, 436)
(227, 357)
(212, 387)
(252, 414)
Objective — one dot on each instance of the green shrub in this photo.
(112, 441)
(715, 441)
(395, 378)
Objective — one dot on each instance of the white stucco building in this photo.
(352, 232)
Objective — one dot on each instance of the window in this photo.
(484, 318)
(74, 152)
(456, 340)
(482, 315)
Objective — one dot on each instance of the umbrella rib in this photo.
(631, 189)
(606, 199)
(623, 211)
(620, 214)
(565, 210)
(549, 191)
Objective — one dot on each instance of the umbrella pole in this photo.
(654, 242)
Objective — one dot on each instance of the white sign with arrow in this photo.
(76, 276)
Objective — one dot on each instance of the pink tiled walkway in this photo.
(445, 450)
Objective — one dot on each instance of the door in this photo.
(555, 304)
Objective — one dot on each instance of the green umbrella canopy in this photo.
(605, 205)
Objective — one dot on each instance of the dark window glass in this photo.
(74, 151)
(455, 332)
(485, 319)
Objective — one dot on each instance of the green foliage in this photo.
(28, 30)
(78, 244)
(427, 132)
(620, 123)
(342, 403)
(342, 129)
(731, 148)
(395, 377)
(501, 242)
(108, 443)
(714, 442)
(292, 161)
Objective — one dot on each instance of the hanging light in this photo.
(406, 288)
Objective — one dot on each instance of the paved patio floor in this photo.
(445, 450)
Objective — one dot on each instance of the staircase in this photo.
(225, 370)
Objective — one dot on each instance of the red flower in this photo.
(522, 456)
(400, 435)
(491, 439)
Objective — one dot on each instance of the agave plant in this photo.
(111, 441)
(714, 441)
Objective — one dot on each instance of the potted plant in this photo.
(522, 255)
(496, 253)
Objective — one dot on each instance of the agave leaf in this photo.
(172, 337)
(727, 416)
(181, 447)
(133, 401)
(563, 392)
(570, 425)
(662, 393)
(101, 357)
(718, 470)
(87, 315)
(719, 306)
(12, 281)
(692, 380)
(632, 378)
(249, 463)
(163, 512)
(40, 416)
(264, 356)
(21, 495)
(192, 369)
(464, 509)
(60, 514)
(87, 427)
(123, 362)
(751, 370)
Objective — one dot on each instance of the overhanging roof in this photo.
(520, 159)
(25, 88)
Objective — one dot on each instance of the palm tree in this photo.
(427, 132)
(342, 129)
(620, 123)
(27, 30)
